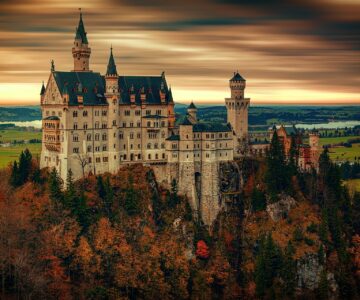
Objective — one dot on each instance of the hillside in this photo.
(125, 237)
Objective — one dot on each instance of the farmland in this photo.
(9, 154)
(11, 135)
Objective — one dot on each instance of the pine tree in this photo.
(356, 213)
(24, 166)
(131, 199)
(323, 290)
(100, 187)
(70, 199)
(14, 176)
(277, 174)
(258, 200)
(109, 197)
(288, 272)
(55, 188)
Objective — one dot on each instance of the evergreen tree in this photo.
(277, 174)
(258, 200)
(267, 265)
(100, 187)
(14, 176)
(109, 197)
(70, 194)
(293, 156)
(55, 187)
(131, 199)
(323, 290)
(24, 166)
(288, 272)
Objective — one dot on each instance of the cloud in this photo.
(298, 46)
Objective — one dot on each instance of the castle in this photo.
(96, 124)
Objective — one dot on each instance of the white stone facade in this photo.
(94, 123)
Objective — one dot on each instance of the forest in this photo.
(124, 236)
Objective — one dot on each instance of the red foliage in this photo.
(202, 250)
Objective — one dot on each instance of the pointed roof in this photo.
(192, 106)
(186, 121)
(80, 31)
(237, 77)
(111, 67)
(42, 92)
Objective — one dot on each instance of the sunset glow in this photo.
(302, 52)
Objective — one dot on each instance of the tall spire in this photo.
(42, 92)
(111, 67)
(80, 31)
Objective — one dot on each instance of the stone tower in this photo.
(192, 113)
(237, 112)
(112, 94)
(186, 163)
(81, 51)
(314, 148)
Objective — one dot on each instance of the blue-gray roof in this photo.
(186, 122)
(174, 137)
(80, 31)
(151, 85)
(111, 68)
(52, 118)
(211, 127)
(237, 77)
(154, 117)
(90, 85)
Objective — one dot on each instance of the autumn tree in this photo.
(202, 250)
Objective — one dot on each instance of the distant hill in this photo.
(20, 113)
(258, 115)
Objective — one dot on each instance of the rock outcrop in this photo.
(281, 208)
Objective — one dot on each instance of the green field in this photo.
(345, 154)
(9, 154)
(10, 135)
(336, 140)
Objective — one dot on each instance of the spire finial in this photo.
(52, 66)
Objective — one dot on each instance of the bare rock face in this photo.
(281, 208)
(308, 272)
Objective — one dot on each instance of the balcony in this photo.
(51, 133)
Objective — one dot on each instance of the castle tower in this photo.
(314, 148)
(112, 95)
(192, 112)
(81, 51)
(186, 163)
(237, 112)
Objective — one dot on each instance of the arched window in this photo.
(149, 146)
(149, 156)
(75, 114)
(88, 137)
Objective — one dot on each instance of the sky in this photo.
(289, 52)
